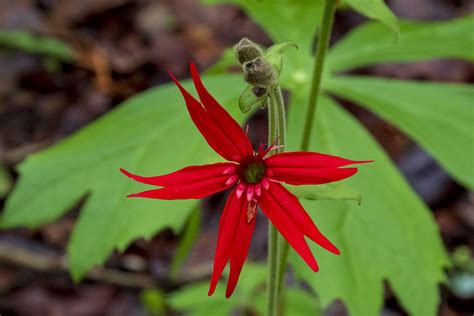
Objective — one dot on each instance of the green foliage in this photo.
(390, 237)
(190, 235)
(35, 44)
(438, 116)
(131, 137)
(278, 17)
(330, 191)
(190, 298)
(377, 10)
(249, 295)
(154, 301)
(371, 43)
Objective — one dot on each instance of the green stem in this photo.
(277, 135)
(321, 48)
(272, 298)
(322, 45)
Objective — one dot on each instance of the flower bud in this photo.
(258, 72)
(246, 50)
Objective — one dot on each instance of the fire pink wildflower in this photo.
(257, 180)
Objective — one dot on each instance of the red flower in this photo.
(257, 180)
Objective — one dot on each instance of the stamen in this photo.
(251, 210)
(250, 190)
(240, 190)
(265, 183)
(229, 170)
(231, 180)
(258, 189)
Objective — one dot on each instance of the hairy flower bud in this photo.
(260, 73)
(246, 50)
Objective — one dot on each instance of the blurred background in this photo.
(122, 47)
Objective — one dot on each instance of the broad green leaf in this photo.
(150, 134)
(284, 20)
(5, 182)
(330, 191)
(438, 116)
(391, 236)
(35, 44)
(371, 43)
(377, 10)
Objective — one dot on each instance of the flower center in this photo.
(254, 172)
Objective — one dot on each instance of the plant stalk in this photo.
(321, 48)
(277, 136)
(272, 231)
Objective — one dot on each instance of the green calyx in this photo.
(254, 172)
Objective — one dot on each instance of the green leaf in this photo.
(330, 191)
(377, 10)
(438, 116)
(392, 236)
(5, 182)
(371, 43)
(35, 44)
(284, 20)
(248, 99)
(150, 134)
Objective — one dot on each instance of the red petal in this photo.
(290, 204)
(240, 249)
(303, 159)
(227, 230)
(299, 176)
(213, 130)
(193, 182)
(186, 175)
(290, 231)
(219, 114)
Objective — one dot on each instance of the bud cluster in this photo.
(261, 71)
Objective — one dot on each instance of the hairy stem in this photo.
(272, 299)
(277, 126)
(321, 48)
